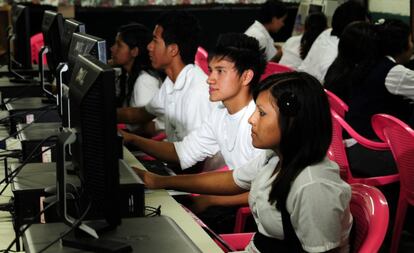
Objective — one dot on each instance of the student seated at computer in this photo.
(271, 18)
(183, 97)
(139, 81)
(294, 182)
(325, 48)
(236, 65)
(296, 48)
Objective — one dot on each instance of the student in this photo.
(271, 18)
(325, 48)
(139, 81)
(183, 97)
(296, 48)
(292, 120)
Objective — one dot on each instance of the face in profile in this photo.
(265, 122)
(224, 80)
(158, 50)
(277, 24)
(122, 55)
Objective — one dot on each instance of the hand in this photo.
(199, 203)
(150, 179)
(128, 137)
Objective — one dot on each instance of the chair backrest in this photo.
(36, 43)
(201, 59)
(336, 103)
(369, 209)
(400, 138)
(274, 68)
(337, 149)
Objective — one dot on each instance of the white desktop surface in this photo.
(173, 209)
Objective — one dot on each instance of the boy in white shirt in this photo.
(235, 66)
(183, 97)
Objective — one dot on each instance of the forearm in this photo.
(133, 115)
(161, 150)
(212, 183)
(235, 200)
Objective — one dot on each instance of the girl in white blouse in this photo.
(297, 197)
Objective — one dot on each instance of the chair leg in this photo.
(398, 224)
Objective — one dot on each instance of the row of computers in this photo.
(84, 93)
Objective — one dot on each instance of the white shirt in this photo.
(400, 81)
(145, 88)
(221, 131)
(291, 52)
(318, 204)
(184, 104)
(321, 55)
(266, 42)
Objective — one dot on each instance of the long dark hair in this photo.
(305, 125)
(315, 24)
(358, 52)
(135, 35)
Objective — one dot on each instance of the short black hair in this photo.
(244, 51)
(270, 9)
(183, 29)
(394, 36)
(345, 14)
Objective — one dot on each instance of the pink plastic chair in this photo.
(400, 138)
(338, 154)
(274, 68)
(36, 43)
(369, 209)
(201, 59)
(336, 103)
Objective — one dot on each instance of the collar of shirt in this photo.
(261, 27)
(180, 81)
(391, 59)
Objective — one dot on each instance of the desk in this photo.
(169, 207)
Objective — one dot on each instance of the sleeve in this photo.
(318, 209)
(244, 175)
(198, 145)
(145, 88)
(157, 104)
(400, 81)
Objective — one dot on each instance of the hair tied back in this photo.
(288, 104)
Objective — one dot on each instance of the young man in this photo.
(235, 66)
(183, 97)
(271, 18)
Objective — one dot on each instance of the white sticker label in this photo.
(29, 118)
(46, 155)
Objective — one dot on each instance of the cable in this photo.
(14, 173)
(74, 225)
(32, 221)
(154, 211)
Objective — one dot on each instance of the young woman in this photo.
(296, 195)
(139, 81)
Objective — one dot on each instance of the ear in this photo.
(173, 49)
(135, 52)
(247, 77)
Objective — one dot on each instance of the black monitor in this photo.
(52, 29)
(95, 152)
(70, 26)
(21, 32)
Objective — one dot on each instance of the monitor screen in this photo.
(70, 26)
(21, 30)
(95, 154)
(52, 29)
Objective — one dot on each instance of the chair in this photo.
(36, 43)
(201, 59)
(336, 103)
(274, 68)
(337, 152)
(400, 138)
(369, 209)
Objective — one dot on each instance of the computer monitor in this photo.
(52, 29)
(70, 26)
(21, 32)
